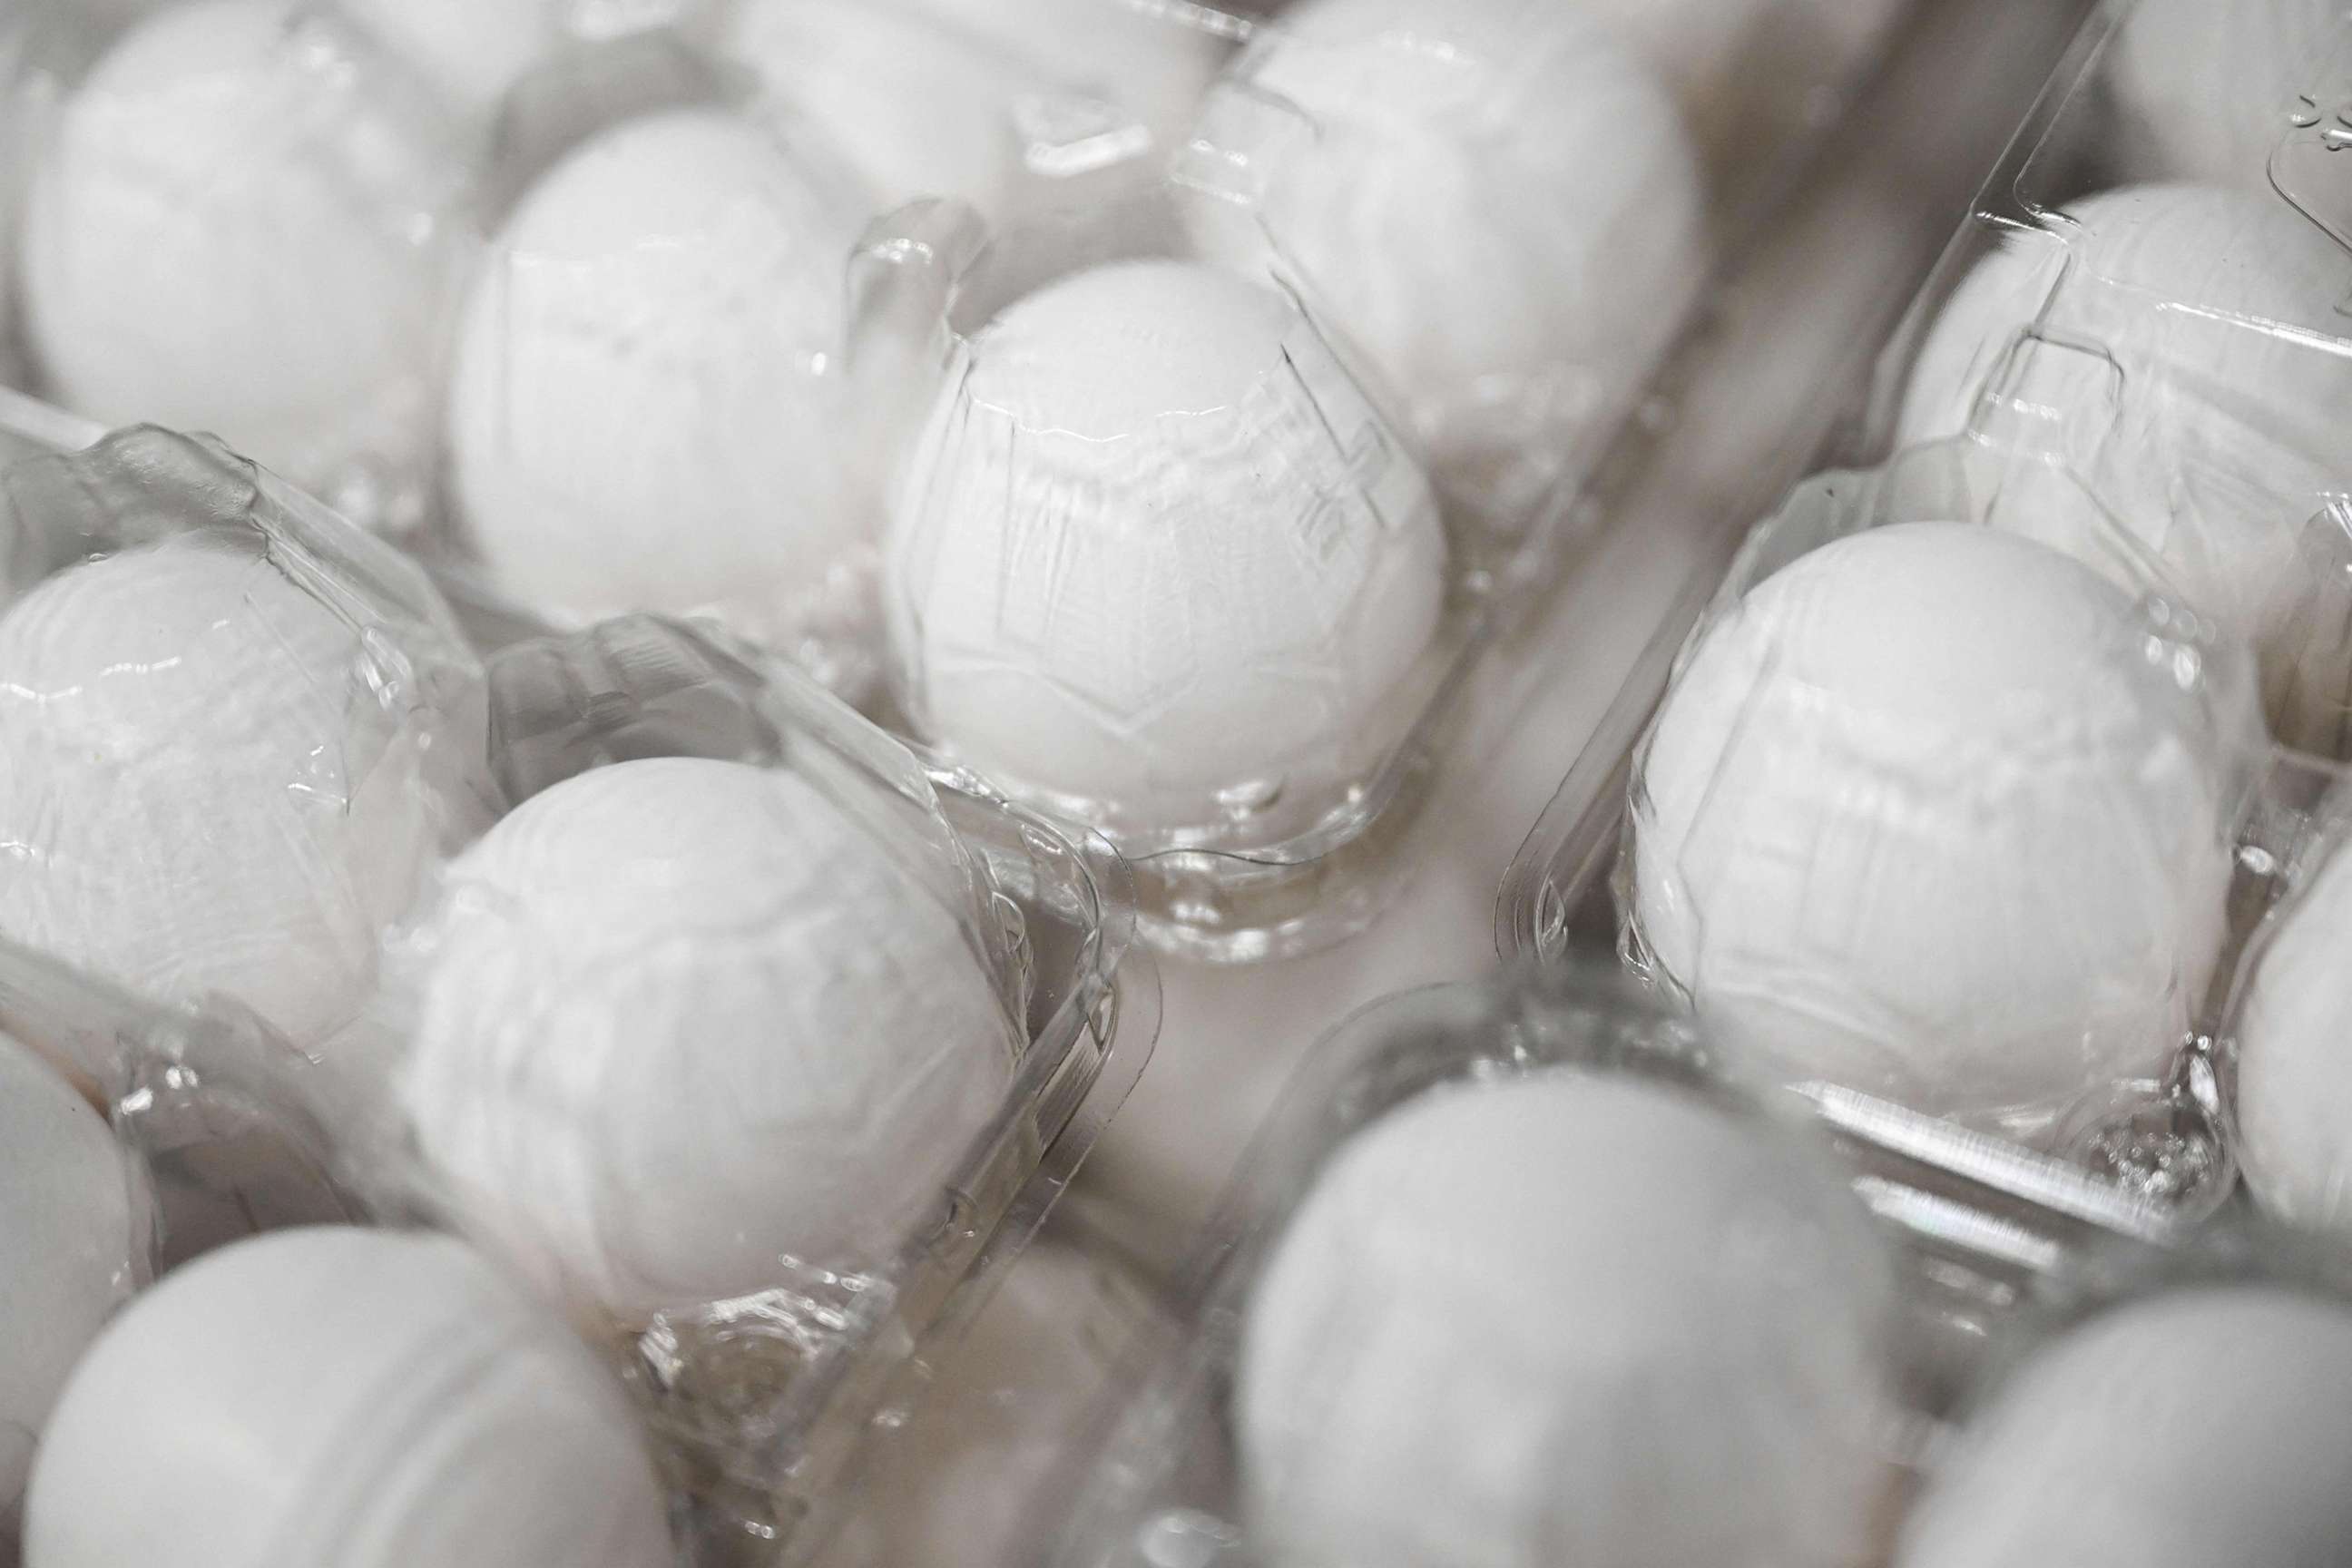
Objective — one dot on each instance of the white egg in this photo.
(1916, 819)
(349, 1397)
(1567, 1319)
(2201, 1427)
(72, 1226)
(645, 411)
(959, 1484)
(2295, 1058)
(2202, 89)
(2202, 406)
(232, 229)
(1155, 549)
(684, 1024)
(1493, 199)
(206, 789)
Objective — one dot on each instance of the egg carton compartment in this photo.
(758, 1402)
(2106, 394)
(761, 1400)
(1300, 1395)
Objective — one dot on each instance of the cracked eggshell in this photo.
(203, 792)
(233, 228)
(683, 1024)
(1493, 199)
(1142, 560)
(2224, 431)
(2200, 90)
(360, 1398)
(645, 411)
(2294, 1031)
(2205, 1426)
(72, 1229)
(1910, 820)
(1567, 1319)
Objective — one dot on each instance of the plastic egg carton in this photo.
(2062, 413)
(1236, 863)
(757, 1405)
(1164, 1473)
(2210, 1421)
(1439, 499)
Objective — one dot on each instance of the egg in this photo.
(644, 407)
(233, 227)
(213, 785)
(73, 1228)
(959, 1484)
(2295, 1078)
(2203, 1427)
(360, 1398)
(2203, 90)
(1494, 200)
(1916, 817)
(684, 1025)
(1566, 1318)
(1155, 552)
(2199, 405)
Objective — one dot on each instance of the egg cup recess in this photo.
(752, 1035)
(1156, 563)
(661, 397)
(1903, 886)
(2178, 347)
(1450, 1168)
(238, 727)
(248, 217)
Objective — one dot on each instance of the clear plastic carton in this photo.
(1094, 595)
(758, 1403)
(597, 413)
(1230, 1442)
(666, 389)
(2125, 355)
